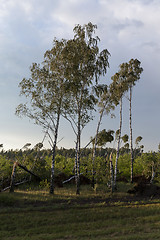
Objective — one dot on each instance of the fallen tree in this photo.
(13, 175)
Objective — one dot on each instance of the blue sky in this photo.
(127, 28)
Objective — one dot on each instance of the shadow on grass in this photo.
(65, 197)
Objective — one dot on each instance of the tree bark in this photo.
(13, 177)
(111, 174)
(118, 145)
(131, 140)
(75, 165)
(78, 156)
(53, 154)
(30, 172)
(153, 173)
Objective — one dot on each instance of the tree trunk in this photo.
(53, 154)
(111, 174)
(95, 147)
(131, 140)
(76, 163)
(118, 145)
(13, 177)
(77, 167)
(153, 173)
(30, 172)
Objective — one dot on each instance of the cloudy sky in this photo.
(127, 28)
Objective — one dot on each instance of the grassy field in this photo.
(36, 215)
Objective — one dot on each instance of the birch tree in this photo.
(118, 88)
(85, 63)
(46, 95)
(133, 72)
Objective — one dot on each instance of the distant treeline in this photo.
(68, 153)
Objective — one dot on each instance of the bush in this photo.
(124, 167)
(146, 163)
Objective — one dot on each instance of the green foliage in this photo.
(104, 137)
(44, 184)
(125, 138)
(144, 165)
(48, 160)
(84, 63)
(133, 71)
(124, 166)
(5, 167)
(125, 78)
(138, 139)
(65, 165)
(102, 170)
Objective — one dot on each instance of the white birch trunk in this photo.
(111, 174)
(131, 140)
(77, 167)
(118, 145)
(153, 173)
(53, 155)
(13, 177)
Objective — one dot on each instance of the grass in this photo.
(36, 215)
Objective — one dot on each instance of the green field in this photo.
(36, 215)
